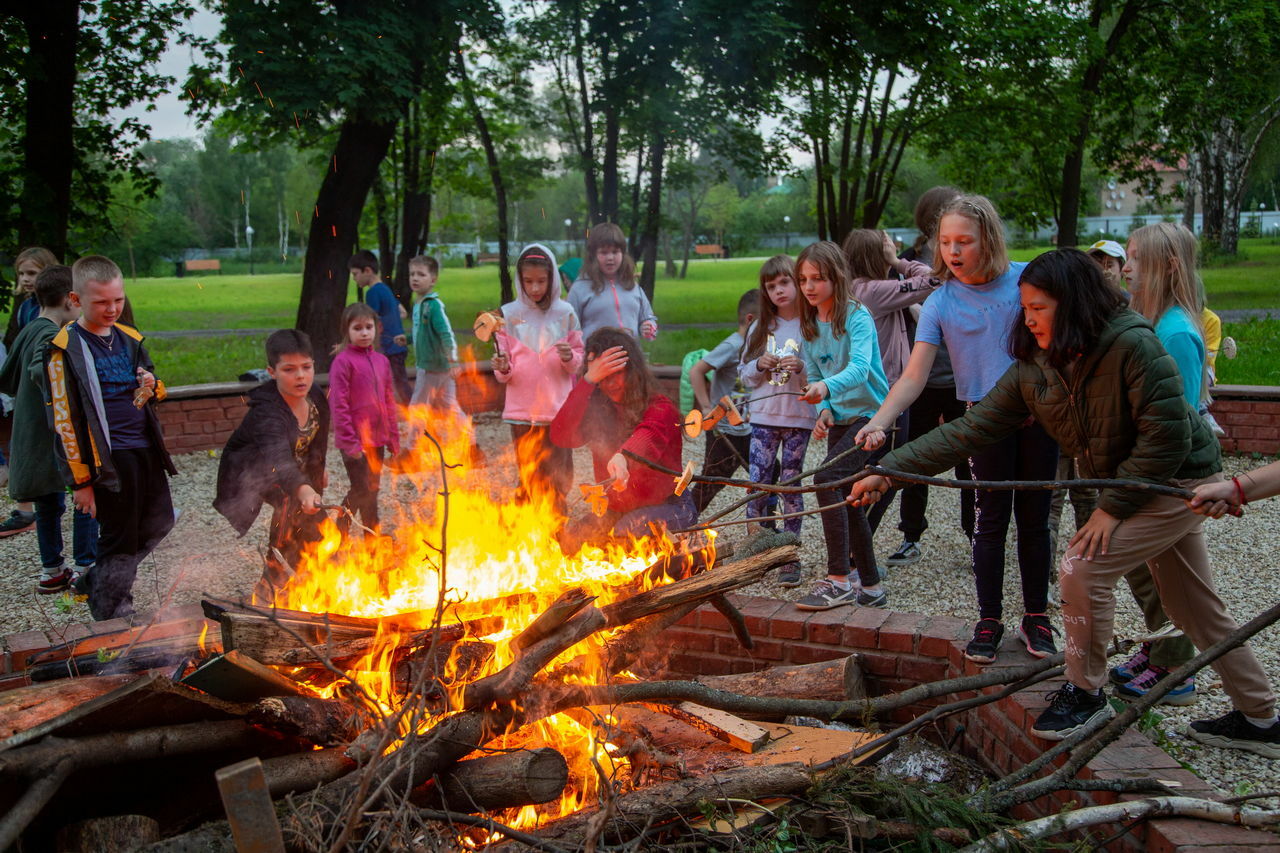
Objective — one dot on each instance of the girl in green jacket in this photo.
(1094, 373)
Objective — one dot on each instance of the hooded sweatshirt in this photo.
(537, 379)
(362, 402)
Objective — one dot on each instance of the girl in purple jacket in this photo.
(361, 398)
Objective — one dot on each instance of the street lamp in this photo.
(248, 238)
(568, 234)
(786, 235)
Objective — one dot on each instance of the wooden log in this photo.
(139, 658)
(650, 807)
(112, 834)
(564, 608)
(525, 777)
(183, 633)
(514, 678)
(303, 771)
(701, 587)
(433, 671)
(834, 680)
(26, 707)
(737, 621)
(324, 722)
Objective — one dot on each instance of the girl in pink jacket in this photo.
(361, 398)
(538, 357)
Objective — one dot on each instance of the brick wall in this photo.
(1251, 416)
(901, 650)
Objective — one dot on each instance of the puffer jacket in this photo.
(1119, 412)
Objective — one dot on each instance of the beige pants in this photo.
(1169, 538)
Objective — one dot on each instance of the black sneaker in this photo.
(1070, 710)
(873, 599)
(790, 576)
(987, 635)
(17, 522)
(1037, 634)
(1133, 667)
(1233, 731)
(907, 553)
(827, 595)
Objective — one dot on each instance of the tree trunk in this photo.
(609, 168)
(653, 217)
(335, 229)
(48, 149)
(495, 175)
(635, 203)
(587, 155)
(500, 781)
(1190, 192)
(386, 247)
(419, 174)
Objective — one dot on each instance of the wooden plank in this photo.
(740, 734)
(27, 707)
(251, 813)
(178, 630)
(236, 677)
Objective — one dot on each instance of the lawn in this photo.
(708, 294)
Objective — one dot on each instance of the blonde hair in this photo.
(93, 268)
(39, 254)
(830, 261)
(992, 253)
(1166, 253)
(607, 235)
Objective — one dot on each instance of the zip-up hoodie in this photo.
(361, 399)
(537, 380)
(613, 306)
(77, 414)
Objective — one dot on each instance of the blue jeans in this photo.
(84, 533)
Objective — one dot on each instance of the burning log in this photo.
(511, 680)
(637, 811)
(525, 777)
(559, 612)
(834, 681)
(324, 722)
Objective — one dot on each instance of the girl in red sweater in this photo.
(617, 407)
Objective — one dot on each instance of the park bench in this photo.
(203, 265)
(488, 258)
(713, 250)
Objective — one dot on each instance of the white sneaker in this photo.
(1214, 425)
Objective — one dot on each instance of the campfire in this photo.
(466, 665)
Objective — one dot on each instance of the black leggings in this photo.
(1028, 454)
(846, 531)
(934, 405)
(365, 473)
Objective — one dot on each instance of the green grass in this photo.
(708, 294)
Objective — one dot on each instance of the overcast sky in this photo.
(169, 119)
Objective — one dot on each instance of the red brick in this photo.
(1255, 418)
(202, 403)
(862, 627)
(689, 620)
(24, 643)
(939, 634)
(730, 647)
(1187, 834)
(920, 671)
(758, 613)
(898, 633)
(73, 631)
(709, 619)
(1240, 431)
(788, 623)
(1229, 406)
(803, 653)
(690, 641)
(770, 650)
(205, 415)
(882, 665)
(827, 627)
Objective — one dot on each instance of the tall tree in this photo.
(68, 66)
(337, 73)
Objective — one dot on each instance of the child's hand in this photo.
(767, 362)
(501, 364)
(146, 379)
(648, 330)
(1214, 499)
(566, 351)
(83, 498)
(401, 340)
(815, 392)
(618, 471)
(1095, 536)
(822, 425)
(308, 499)
(611, 361)
(868, 490)
(791, 363)
(404, 312)
(890, 249)
(870, 436)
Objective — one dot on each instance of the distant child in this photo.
(34, 474)
(728, 447)
(541, 354)
(1110, 258)
(435, 350)
(606, 293)
(771, 366)
(111, 449)
(27, 266)
(846, 382)
(379, 296)
(617, 406)
(364, 409)
(276, 457)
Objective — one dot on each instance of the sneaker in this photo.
(1214, 425)
(1037, 635)
(789, 575)
(1129, 670)
(17, 522)
(80, 579)
(1070, 710)
(873, 599)
(1141, 684)
(987, 635)
(57, 583)
(827, 595)
(1233, 731)
(907, 553)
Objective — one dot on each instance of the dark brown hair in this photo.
(601, 424)
(767, 315)
(536, 257)
(830, 261)
(363, 260)
(926, 214)
(353, 312)
(608, 235)
(284, 342)
(53, 285)
(864, 250)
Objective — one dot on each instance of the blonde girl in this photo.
(778, 422)
(846, 382)
(972, 312)
(606, 293)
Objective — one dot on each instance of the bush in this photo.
(1252, 227)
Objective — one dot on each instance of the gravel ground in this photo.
(202, 555)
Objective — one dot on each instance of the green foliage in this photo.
(1258, 363)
